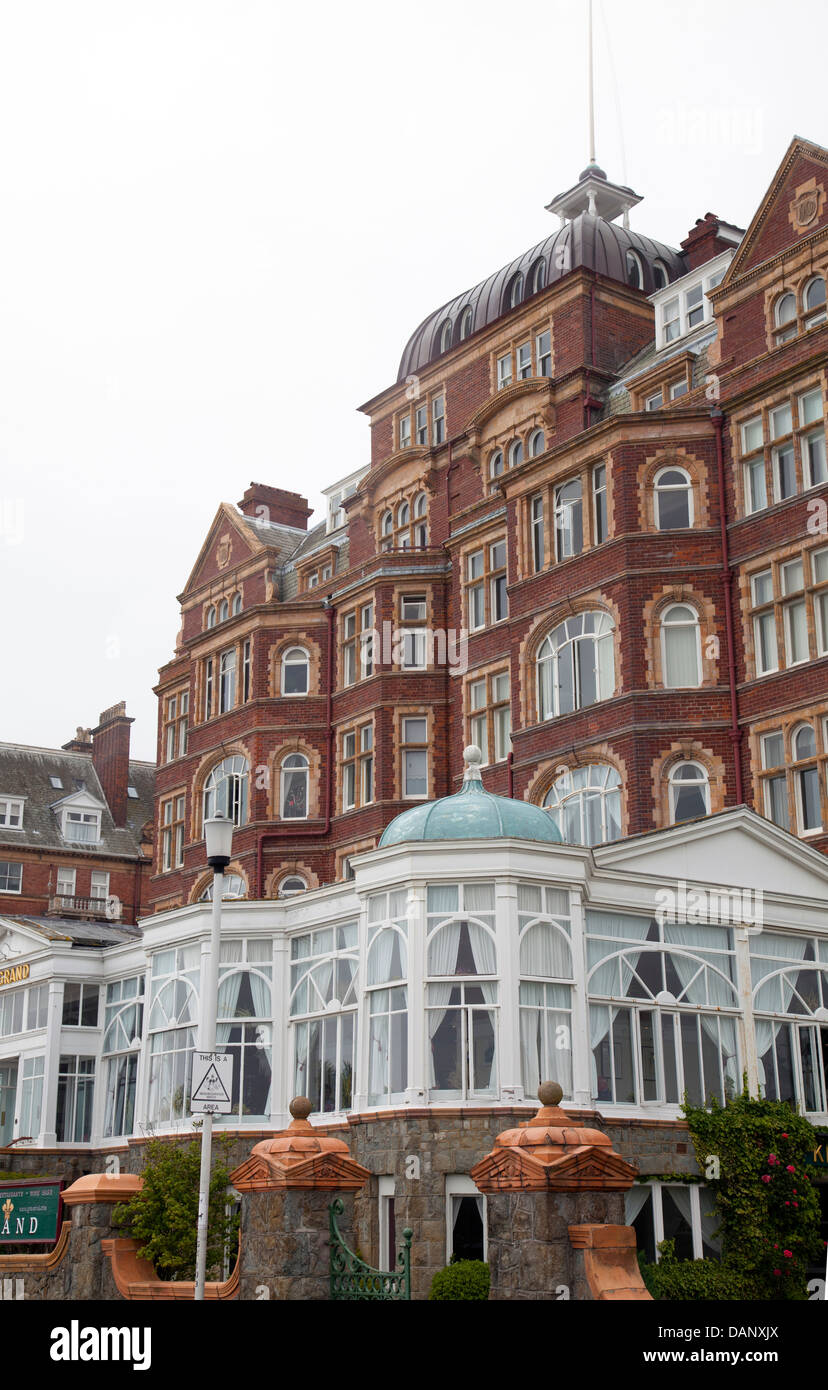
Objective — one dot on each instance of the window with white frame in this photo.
(37, 1006)
(323, 1005)
(31, 1096)
(357, 767)
(576, 664)
(12, 1006)
(99, 885)
(176, 715)
(75, 1097)
(295, 671)
(673, 499)
(806, 779)
(545, 987)
(688, 791)
(172, 832)
(11, 877)
(245, 1022)
(173, 1019)
(793, 459)
(569, 526)
(497, 468)
(790, 1006)
(291, 885)
(386, 1216)
(123, 1030)
(438, 420)
(789, 603)
(65, 882)
(11, 813)
(537, 533)
(684, 1213)
(663, 1010)
(80, 1004)
(227, 681)
(387, 992)
(414, 757)
(687, 309)
(599, 503)
(82, 826)
(461, 993)
(294, 776)
(585, 804)
(226, 790)
(490, 716)
(233, 886)
(680, 646)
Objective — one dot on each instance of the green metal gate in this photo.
(352, 1278)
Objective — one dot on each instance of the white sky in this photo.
(220, 222)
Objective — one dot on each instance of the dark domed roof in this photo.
(472, 814)
(587, 241)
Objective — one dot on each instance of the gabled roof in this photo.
(87, 934)
(771, 229)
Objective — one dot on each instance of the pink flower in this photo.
(788, 1254)
(766, 1177)
(790, 1168)
(784, 1136)
(796, 1204)
(777, 1271)
(787, 1204)
(771, 1158)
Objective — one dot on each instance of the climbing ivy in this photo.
(767, 1207)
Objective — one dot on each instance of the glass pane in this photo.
(676, 1223)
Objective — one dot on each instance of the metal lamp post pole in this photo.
(207, 1037)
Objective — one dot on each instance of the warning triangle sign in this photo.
(211, 1086)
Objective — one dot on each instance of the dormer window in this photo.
(445, 336)
(466, 324)
(539, 277)
(635, 271)
(516, 292)
(82, 826)
(688, 308)
(662, 279)
(11, 813)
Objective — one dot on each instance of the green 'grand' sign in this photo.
(30, 1212)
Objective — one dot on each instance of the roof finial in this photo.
(472, 757)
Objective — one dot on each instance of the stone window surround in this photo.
(814, 381)
(500, 667)
(786, 724)
(354, 725)
(802, 268)
(543, 625)
(687, 750)
(274, 763)
(402, 712)
(170, 798)
(275, 655)
(705, 611)
(407, 493)
(510, 346)
(483, 542)
(774, 561)
(175, 723)
(550, 769)
(210, 760)
(204, 880)
(348, 852)
(427, 399)
(215, 601)
(287, 869)
(673, 457)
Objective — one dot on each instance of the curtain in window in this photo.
(544, 951)
(443, 897)
(600, 1018)
(438, 995)
(681, 655)
(380, 955)
(531, 1048)
(681, 1196)
(442, 949)
(635, 1201)
(785, 948)
(378, 1062)
(689, 972)
(483, 950)
(709, 1220)
(604, 980)
(605, 657)
(228, 995)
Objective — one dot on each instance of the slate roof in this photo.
(89, 934)
(25, 772)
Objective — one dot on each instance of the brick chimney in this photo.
(703, 241)
(110, 755)
(264, 503)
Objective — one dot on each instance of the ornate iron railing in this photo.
(352, 1279)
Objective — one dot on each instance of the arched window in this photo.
(466, 323)
(295, 671)
(516, 291)
(224, 611)
(515, 453)
(813, 302)
(539, 276)
(234, 887)
(784, 314)
(323, 1003)
(680, 646)
(294, 788)
(635, 271)
(806, 779)
(237, 604)
(211, 616)
(294, 883)
(403, 514)
(537, 443)
(420, 522)
(445, 336)
(689, 789)
(225, 790)
(576, 664)
(585, 804)
(387, 530)
(662, 279)
(673, 500)
(496, 468)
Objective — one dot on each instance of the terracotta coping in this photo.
(610, 1263)
(135, 1279)
(102, 1187)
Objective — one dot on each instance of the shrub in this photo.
(673, 1280)
(162, 1218)
(463, 1280)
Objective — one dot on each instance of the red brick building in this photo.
(76, 827)
(592, 539)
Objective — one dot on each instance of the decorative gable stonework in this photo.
(806, 208)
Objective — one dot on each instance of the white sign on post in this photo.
(212, 1083)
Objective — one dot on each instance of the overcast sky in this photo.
(220, 222)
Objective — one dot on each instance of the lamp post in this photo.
(218, 838)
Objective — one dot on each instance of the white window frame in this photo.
(683, 623)
(658, 1214)
(461, 1185)
(12, 805)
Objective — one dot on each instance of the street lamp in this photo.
(218, 838)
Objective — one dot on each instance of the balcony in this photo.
(93, 909)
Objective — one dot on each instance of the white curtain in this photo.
(483, 949)
(531, 1054)
(605, 661)
(438, 995)
(709, 1218)
(604, 980)
(228, 994)
(681, 654)
(784, 948)
(544, 951)
(379, 959)
(442, 949)
(378, 1063)
(635, 1200)
(442, 897)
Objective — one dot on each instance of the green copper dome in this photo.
(472, 814)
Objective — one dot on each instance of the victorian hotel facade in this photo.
(591, 544)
